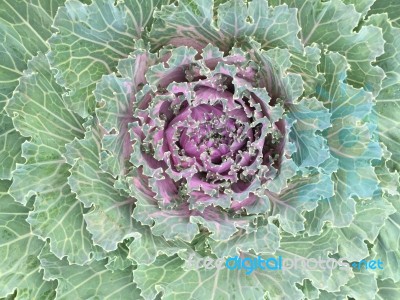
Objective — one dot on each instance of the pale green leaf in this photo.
(115, 105)
(309, 117)
(310, 291)
(306, 64)
(388, 289)
(171, 223)
(146, 247)
(167, 275)
(388, 100)
(362, 286)
(109, 219)
(10, 149)
(330, 24)
(369, 218)
(152, 279)
(92, 281)
(90, 41)
(387, 244)
(170, 277)
(114, 115)
(350, 140)
(391, 7)
(274, 74)
(39, 113)
(302, 194)
(361, 6)
(118, 259)
(19, 248)
(189, 23)
(270, 26)
(263, 240)
(24, 28)
(313, 247)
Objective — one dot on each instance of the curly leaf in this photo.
(19, 248)
(24, 29)
(391, 7)
(90, 41)
(388, 100)
(109, 219)
(190, 23)
(85, 282)
(39, 112)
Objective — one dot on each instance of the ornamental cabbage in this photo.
(139, 135)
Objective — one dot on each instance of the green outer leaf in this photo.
(91, 40)
(271, 27)
(114, 116)
(309, 117)
(168, 275)
(387, 244)
(298, 247)
(387, 289)
(118, 259)
(274, 75)
(368, 220)
(57, 213)
(24, 29)
(92, 281)
(115, 97)
(310, 291)
(153, 278)
(302, 194)
(361, 6)
(388, 100)
(10, 151)
(179, 58)
(350, 140)
(330, 24)
(19, 265)
(263, 240)
(391, 7)
(190, 23)
(231, 18)
(109, 220)
(171, 224)
(39, 112)
(362, 286)
(146, 247)
(306, 64)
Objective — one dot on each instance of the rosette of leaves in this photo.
(135, 134)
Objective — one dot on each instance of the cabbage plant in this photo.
(139, 134)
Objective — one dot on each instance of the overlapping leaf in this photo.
(39, 113)
(170, 276)
(109, 219)
(391, 7)
(388, 100)
(85, 282)
(91, 40)
(19, 248)
(330, 24)
(350, 140)
(24, 29)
